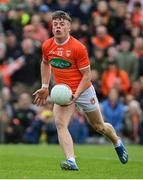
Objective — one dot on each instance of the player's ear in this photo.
(69, 26)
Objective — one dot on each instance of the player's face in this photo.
(61, 28)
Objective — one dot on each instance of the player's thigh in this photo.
(95, 118)
(88, 100)
(63, 114)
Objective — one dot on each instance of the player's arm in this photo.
(42, 93)
(83, 65)
(84, 83)
(45, 74)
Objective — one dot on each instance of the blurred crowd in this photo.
(112, 30)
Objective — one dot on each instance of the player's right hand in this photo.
(41, 96)
(73, 100)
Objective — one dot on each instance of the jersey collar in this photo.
(60, 44)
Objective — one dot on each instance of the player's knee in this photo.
(100, 128)
(59, 124)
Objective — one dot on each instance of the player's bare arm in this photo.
(42, 93)
(83, 85)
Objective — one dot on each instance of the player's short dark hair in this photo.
(61, 15)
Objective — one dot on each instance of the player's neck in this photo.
(63, 41)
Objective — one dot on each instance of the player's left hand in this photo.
(41, 96)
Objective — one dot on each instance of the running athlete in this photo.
(68, 59)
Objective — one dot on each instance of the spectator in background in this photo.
(50, 128)
(132, 121)
(2, 52)
(138, 47)
(127, 59)
(113, 7)
(17, 89)
(25, 111)
(11, 22)
(140, 69)
(116, 26)
(129, 30)
(33, 132)
(115, 77)
(78, 128)
(141, 132)
(22, 14)
(136, 90)
(49, 3)
(67, 6)
(111, 53)
(31, 65)
(2, 39)
(43, 128)
(135, 32)
(113, 110)
(13, 48)
(80, 31)
(7, 69)
(141, 105)
(98, 61)
(23, 117)
(141, 95)
(102, 15)
(45, 15)
(4, 1)
(28, 33)
(137, 15)
(131, 5)
(85, 10)
(40, 32)
(96, 81)
(102, 39)
(4, 120)
(3, 15)
(76, 28)
(7, 101)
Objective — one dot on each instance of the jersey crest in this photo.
(68, 53)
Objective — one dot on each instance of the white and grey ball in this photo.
(61, 94)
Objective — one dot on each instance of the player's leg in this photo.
(96, 121)
(89, 103)
(62, 116)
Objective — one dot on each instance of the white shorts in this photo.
(88, 100)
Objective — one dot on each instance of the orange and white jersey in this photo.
(66, 60)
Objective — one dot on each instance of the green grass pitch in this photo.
(42, 162)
